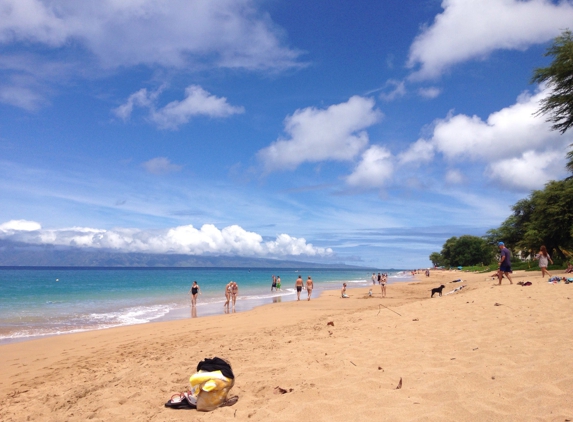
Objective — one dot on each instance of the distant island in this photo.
(14, 254)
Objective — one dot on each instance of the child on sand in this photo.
(343, 291)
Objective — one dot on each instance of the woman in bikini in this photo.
(228, 293)
(234, 292)
(309, 286)
(194, 291)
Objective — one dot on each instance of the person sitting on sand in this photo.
(569, 268)
(194, 291)
(309, 286)
(298, 286)
(343, 291)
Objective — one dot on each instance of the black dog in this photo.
(438, 290)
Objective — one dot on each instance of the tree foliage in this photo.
(544, 218)
(464, 251)
(558, 76)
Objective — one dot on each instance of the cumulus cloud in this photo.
(19, 225)
(467, 30)
(419, 152)
(335, 133)
(505, 133)
(373, 170)
(231, 240)
(177, 33)
(160, 165)
(197, 102)
(531, 170)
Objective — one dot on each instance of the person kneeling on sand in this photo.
(343, 291)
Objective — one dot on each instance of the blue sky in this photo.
(350, 131)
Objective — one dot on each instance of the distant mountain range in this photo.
(14, 254)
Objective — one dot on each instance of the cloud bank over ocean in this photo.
(231, 240)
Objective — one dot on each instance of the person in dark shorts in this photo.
(504, 263)
(274, 285)
(298, 286)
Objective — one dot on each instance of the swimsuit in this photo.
(299, 288)
(194, 290)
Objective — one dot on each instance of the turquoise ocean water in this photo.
(37, 302)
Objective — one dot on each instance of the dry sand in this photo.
(460, 358)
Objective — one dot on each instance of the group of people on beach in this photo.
(231, 293)
(276, 283)
(505, 262)
(299, 285)
(382, 279)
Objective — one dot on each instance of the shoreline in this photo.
(209, 308)
(512, 359)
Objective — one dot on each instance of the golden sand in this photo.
(486, 353)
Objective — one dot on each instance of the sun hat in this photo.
(501, 244)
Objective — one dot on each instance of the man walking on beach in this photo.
(298, 286)
(504, 263)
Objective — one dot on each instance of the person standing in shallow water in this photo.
(309, 286)
(194, 291)
(234, 292)
(279, 282)
(504, 263)
(274, 285)
(298, 286)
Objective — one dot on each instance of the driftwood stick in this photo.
(386, 308)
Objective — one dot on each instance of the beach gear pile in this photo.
(210, 386)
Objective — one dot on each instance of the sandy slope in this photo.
(460, 358)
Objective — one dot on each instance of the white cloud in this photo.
(529, 171)
(335, 133)
(399, 90)
(231, 240)
(430, 92)
(419, 152)
(19, 225)
(197, 102)
(140, 98)
(160, 165)
(175, 33)
(506, 133)
(467, 30)
(454, 177)
(373, 170)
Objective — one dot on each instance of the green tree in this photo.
(436, 259)
(558, 76)
(467, 250)
(544, 218)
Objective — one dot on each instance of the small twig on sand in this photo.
(386, 308)
(353, 363)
